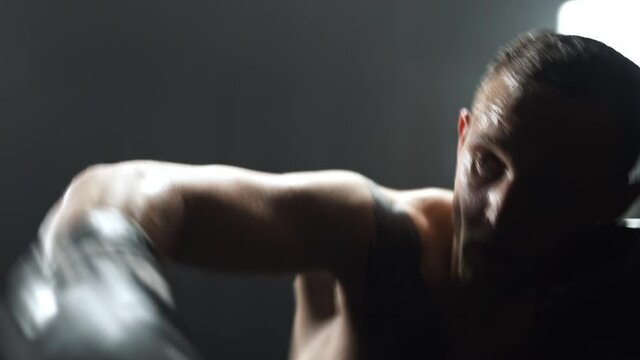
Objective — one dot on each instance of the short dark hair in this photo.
(575, 66)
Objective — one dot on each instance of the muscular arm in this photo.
(227, 218)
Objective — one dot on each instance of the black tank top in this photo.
(589, 316)
(401, 319)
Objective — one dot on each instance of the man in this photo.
(544, 152)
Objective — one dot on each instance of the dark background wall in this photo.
(273, 85)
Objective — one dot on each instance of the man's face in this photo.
(530, 170)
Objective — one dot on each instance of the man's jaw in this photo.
(479, 269)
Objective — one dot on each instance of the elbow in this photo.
(141, 191)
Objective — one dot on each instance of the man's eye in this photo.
(487, 166)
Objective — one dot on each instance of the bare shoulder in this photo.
(427, 207)
(427, 199)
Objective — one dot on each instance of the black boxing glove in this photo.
(99, 296)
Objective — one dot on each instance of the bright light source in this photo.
(614, 22)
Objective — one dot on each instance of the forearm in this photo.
(207, 215)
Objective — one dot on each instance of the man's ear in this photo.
(463, 125)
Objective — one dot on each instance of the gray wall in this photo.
(274, 85)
